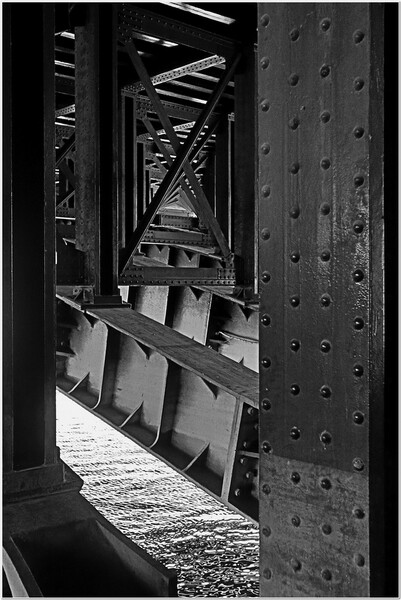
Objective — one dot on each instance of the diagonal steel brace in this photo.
(181, 161)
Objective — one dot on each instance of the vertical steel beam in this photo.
(244, 172)
(223, 157)
(322, 438)
(129, 181)
(140, 180)
(29, 249)
(97, 145)
(209, 183)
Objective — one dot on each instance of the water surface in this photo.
(214, 550)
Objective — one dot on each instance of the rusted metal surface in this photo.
(316, 223)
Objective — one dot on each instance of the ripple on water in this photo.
(214, 550)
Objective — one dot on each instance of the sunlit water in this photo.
(214, 550)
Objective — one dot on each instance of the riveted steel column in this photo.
(97, 146)
(29, 250)
(243, 204)
(321, 345)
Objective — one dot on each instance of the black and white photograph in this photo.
(200, 299)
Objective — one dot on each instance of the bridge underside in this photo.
(194, 252)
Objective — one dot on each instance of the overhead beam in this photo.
(136, 19)
(172, 74)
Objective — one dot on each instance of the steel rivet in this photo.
(265, 148)
(266, 191)
(294, 212)
(358, 227)
(358, 417)
(266, 277)
(358, 464)
(325, 208)
(295, 564)
(295, 477)
(243, 460)
(325, 300)
(295, 433)
(325, 437)
(294, 301)
(246, 444)
(324, 71)
(326, 574)
(265, 320)
(265, 106)
(358, 370)
(326, 528)
(359, 560)
(266, 362)
(266, 404)
(294, 35)
(251, 410)
(294, 168)
(359, 323)
(295, 345)
(325, 163)
(266, 489)
(358, 84)
(325, 391)
(237, 492)
(358, 275)
(325, 116)
(293, 79)
(358, 180)
(266, 531)
(267, 574)
(358, 36)
(266, 447)
(358, 513)
(265, 20)
(264, 62)
(295, 389)
(325, 484)
(358, 132)
(294, 123)
(265, 233)
(294, 257)
(325, 346)
(325, 256)
(325, 24)
(296, 521)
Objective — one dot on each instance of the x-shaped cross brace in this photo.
(198, 198)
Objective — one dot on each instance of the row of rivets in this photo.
(324, 71)
(294, 123)
(325, 437)
(325, 24)
(358, 417)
